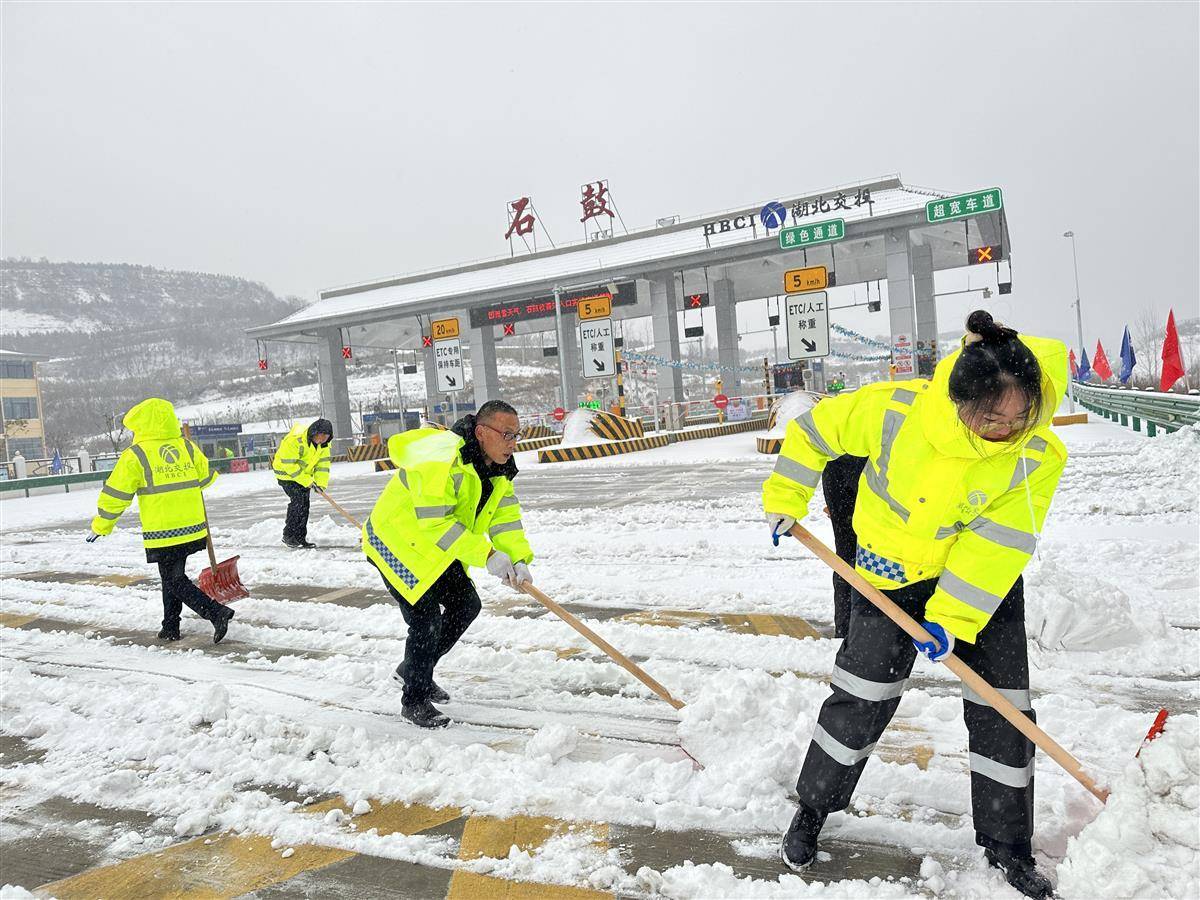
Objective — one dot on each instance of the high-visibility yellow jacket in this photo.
(165, 471)
(426, 517)
(934, 501)
(301, 461)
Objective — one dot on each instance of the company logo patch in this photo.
(169, 454)
(977, 498)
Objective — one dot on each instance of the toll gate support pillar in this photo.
(728, 354)
(664, 319)
(335, 392)
(900, 304)
(485, 378)
(926, 310)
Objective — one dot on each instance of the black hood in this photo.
(321, 426)
(473, 454)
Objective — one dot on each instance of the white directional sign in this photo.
(808, 325)
(448, 359)
(596, 345)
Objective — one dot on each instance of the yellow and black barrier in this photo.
(695, 434)
(770, 444)
(537, 443)
(537, 431)
(616, 428)
(598, 451)
(366, 451)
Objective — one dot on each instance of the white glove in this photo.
(523, 575)
(780, 525)
(500, 565)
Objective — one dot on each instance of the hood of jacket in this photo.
(945, 429)
(319, 426)
(153, 419)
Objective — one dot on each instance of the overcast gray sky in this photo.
(310, 145)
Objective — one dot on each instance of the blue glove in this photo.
(780, 525)
(91, 538)
(941, 645)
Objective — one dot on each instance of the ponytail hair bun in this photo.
(982, 327)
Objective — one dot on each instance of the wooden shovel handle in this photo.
(968, 676)
(616, 655)
(212, 554)
(349, 518)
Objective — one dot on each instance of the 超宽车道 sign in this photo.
(964, 205)
(541, 307)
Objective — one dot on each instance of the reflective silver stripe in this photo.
(1009, 775)
(847, 756)
(1004, 535)
(172, 532)
(402, 477)
(903, 395)
(324, 468)
(141, 455)
(451, 535)
(809, 427)
(510, 500)
(1037, 443)
(864, 688)
(191, 450)
(1019, 699)
(892, 421)
(208, 479)
(1025, 467)
(795, 471)
(457, 478)
(433, 512)
(113, 492)
(168, 488)
(878, 484)
(287, 476)
(283, 459)
(968, 593)
(514, 525)
(105, 514)
(951, 531)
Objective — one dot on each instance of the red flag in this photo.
(1172, 369)
(1074, 366)
(1100, 363)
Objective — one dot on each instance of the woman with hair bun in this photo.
(960, 472)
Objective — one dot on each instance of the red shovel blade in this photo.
(1156, 729)
(223, 583)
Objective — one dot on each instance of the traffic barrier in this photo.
(616, 428)
(538, 431)
(537, 443)
(1131, 407)
(695, 434)
(361, 452)
(597, 451)
(770, 444)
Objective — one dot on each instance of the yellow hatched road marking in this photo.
(792, 626)
(13, 620)
(116, 580)
(333, 596)
(486, 836)
(230, 865)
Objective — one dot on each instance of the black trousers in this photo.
(295, 528)
(178, 590)
(869, 676)
(435, 623)
(839, 483)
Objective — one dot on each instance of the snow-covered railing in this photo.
(1169, 411)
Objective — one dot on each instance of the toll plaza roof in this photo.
(713, 239)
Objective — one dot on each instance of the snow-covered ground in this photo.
(301, 694)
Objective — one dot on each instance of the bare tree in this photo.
(1147, 336)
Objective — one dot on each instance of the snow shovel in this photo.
(968, 676)
(221, 580)
(616, 655)
(349, 518)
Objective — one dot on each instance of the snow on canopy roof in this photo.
(599, 259)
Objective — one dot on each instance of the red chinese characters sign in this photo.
(595, 201)
(520, 223)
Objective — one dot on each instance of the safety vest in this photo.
(934, 501)
(299, 461)
(165, 471)
(426, 517)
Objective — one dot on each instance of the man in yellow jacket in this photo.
(450, 505)
(166, 472)
(300, 463)
(959, 476)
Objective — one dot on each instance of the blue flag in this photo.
(1128, 359)
(1085, 368)
(56, 464)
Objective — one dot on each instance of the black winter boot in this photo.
(169, 633)
(425, 714)
(1021, 873)
(799, 847)
(436, 693)
(221, 623)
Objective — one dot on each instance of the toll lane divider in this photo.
(613, 448)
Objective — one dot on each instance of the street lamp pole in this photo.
(1078, 308)
(399, 390)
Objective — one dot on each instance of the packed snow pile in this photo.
(1079, 611)
(791, 406)
(577, 429)
(1146, 840)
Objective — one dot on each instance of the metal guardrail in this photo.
(1167, 411)
(11, 485)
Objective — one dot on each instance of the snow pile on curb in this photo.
(577, 429)
(791, 406)
(1146, 841)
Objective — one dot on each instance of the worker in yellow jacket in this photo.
(166, 472)
(959, 476)
(301, 463)
(450, 505)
